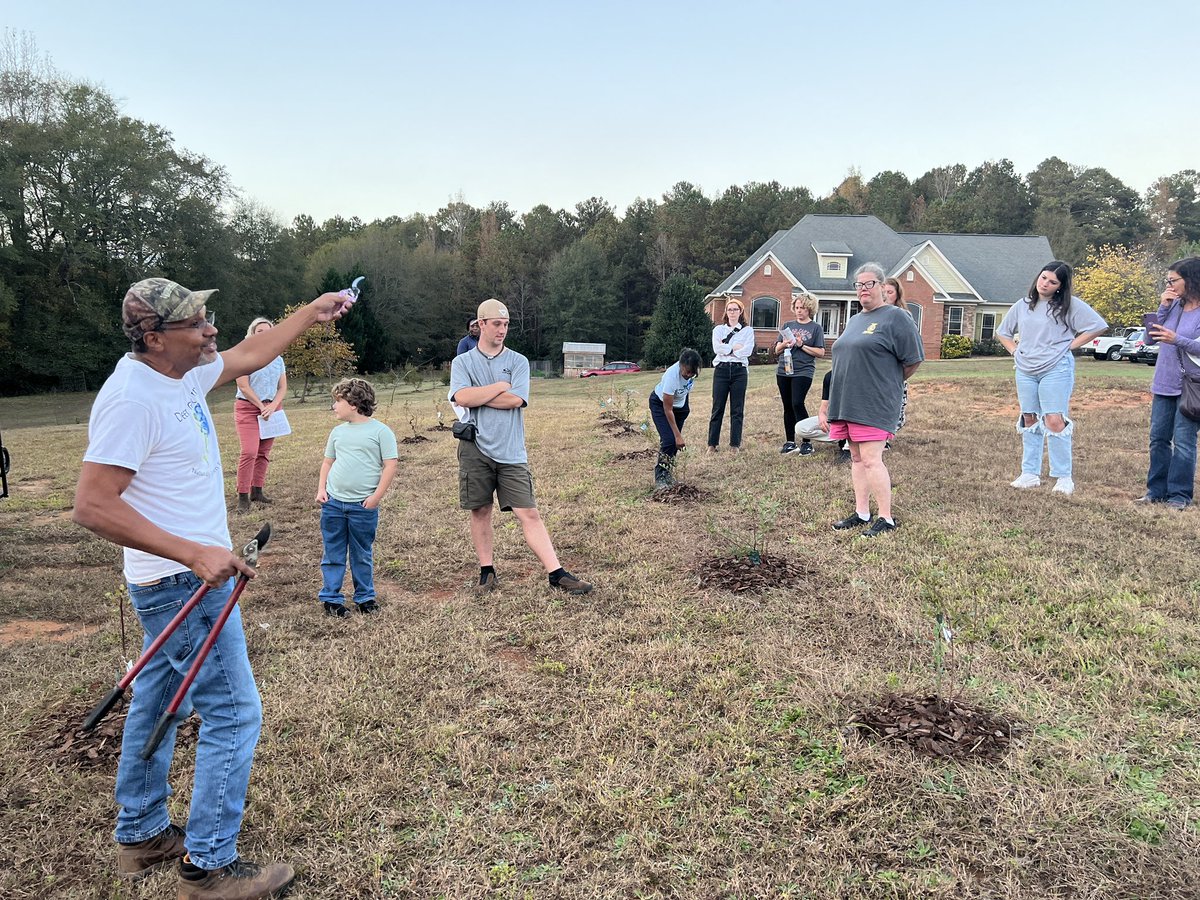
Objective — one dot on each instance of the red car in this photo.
(612, 368)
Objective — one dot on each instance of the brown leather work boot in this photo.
(140, 859)
(240, 880)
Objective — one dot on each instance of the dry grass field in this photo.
(658, 737)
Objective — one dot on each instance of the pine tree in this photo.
(679, 321)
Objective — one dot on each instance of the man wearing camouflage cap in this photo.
(490, 385)
(152, 482)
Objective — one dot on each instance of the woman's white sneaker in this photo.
(1028, 481)
(1064, 486)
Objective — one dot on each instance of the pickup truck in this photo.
(1107, 346)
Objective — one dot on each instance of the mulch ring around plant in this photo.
(741, 575)
(648, 453)
(68, 744)
(940, 727)
(415, 439)
(680, 492)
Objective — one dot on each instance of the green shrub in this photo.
(445, 377)
(956, 346)
(989, 347)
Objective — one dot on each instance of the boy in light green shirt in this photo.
(360, 463)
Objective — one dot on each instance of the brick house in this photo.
(953, 283)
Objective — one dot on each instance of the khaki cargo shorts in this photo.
(479, 478)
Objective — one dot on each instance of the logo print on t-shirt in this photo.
(871, 328)
(202, 424)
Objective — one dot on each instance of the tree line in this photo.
(92, 200)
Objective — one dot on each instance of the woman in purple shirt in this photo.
(1172, 473)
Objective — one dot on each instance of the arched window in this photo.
(914, 310)
(764, 313)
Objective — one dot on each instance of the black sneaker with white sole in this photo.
(854, 520)
(878, 527)
(806, 448)
(789, 448)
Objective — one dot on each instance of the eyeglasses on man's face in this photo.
(865, 285)
(209, 318)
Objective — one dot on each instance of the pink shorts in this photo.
(860, 434)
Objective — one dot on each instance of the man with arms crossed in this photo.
(152, 482)
(491, 384)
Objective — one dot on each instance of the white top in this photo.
(737, 350)
(161, 429)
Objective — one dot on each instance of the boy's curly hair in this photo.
(358, 393)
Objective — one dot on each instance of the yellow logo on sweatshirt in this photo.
(871, 328)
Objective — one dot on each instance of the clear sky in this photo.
(390, 108)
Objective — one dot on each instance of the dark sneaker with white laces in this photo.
(140, 859)
(336, 610)
(572, 585)
(367, 607)
(240, 880)
(806, 448)
(854, 520)
(878, 527)
(789, 448)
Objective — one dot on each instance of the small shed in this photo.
(579, 357)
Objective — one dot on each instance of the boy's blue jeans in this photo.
(225, 696)
(1042, 394)
(347, 529)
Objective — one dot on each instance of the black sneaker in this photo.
(572, 585)
(844, 456)
(788, 448)
(240, 879)
(806, 448)
(336, 610)
(367, 607)
(878, 527)
(140, 859)
(854, 520)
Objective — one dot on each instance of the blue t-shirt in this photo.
(467, 343)
(675, 384)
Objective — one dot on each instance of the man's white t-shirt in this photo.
(161, 429)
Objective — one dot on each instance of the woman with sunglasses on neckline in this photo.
(732, 343)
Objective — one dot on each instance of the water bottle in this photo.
(787, 361)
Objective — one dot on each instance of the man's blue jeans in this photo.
(1042, 394)
(347, 529)
(226, 698)
(1172, 474)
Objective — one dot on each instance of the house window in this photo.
(834, 266)
(767, 269)
(914, 310)
(908, 276)
(987, 327)
(954, 319)
(855, 307)
(764, 313)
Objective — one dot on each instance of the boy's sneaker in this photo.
(572, 585)
(806, 448)
(367, 607)
(240, 880)
(140, 859)
(843, 456)
(1064, 486)
(789, 448)
(878, 527)
(336, 610)
(854, 520)
(1026, 480)
(487, 583)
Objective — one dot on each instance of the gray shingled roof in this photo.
(999, 266)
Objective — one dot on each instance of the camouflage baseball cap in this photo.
(159, 298)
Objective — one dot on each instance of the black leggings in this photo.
(792, 391)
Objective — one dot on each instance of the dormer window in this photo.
(833, 259)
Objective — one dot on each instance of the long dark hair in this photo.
(1188, 269)
(1060, 303)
